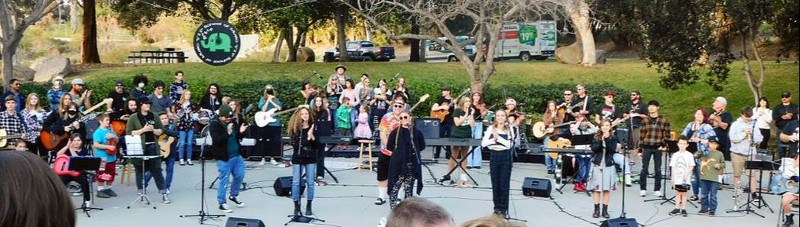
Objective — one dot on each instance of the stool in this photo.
(362, 155)
(127, 169)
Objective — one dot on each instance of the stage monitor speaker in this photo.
(283, 186)
(538, 187)
(428, 126)
(244, 222)
(620, 222)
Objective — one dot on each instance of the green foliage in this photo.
(786, 23)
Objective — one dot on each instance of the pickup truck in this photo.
(361, 50)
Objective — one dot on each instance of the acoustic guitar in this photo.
(558, 144)
(50, 140)
(441, 114)
(4, 137)
(165, 142)
(540, 130)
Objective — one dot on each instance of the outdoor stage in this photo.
(350, 202)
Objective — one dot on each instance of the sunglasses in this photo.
(567, 94)
(399, 105)
(404, 117)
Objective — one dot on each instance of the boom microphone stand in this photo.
(202, 214)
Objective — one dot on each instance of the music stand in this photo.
(760, 166)
(143, 195)
(672, 147)
(83, 164)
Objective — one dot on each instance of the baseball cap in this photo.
(78, 81)
(786, 94)
(340, 66)
(653, 103)
(119, 83)
(611, 93)
(225, 111)
(721, 100)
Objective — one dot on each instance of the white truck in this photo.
(527, 40)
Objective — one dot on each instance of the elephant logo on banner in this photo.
(216, 42)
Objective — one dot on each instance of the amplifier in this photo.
(428, 126)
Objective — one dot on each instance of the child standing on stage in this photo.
(343, 117)
(682, 163)
(362, 130)
(712, 164)
(102, 150)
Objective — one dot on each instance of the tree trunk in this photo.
(414, 54)
(276, 53)
(89, 52)
(73, 15)
(578, 12)
(8, 65)
(341, 21)
(288, 37)
(754, 85)
(367, 30)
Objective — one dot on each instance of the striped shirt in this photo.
(654, 132)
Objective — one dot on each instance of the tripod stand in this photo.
(663, 197)
(143, 195)
(202, 214)
(84, 164)
(750, 165)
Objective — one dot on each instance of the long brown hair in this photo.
(296, 124)
(32, 193)
(599, 135)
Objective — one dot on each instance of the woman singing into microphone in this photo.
(603, 172)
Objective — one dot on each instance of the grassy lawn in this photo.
(626, 74)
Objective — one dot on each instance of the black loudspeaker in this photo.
(244, 222)
(620, 222)
(428, 126)
(538, 187)
(283, 186)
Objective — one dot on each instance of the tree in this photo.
(747, 16)
(488, 17)
(786, 23)
(578, 11)
(15, 18)
(292, 20)
(675, 36)
(135, 13)
(89, 53)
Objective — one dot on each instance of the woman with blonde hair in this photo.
(183, 110)
(33, 115)
(498, 140)
(464, 121)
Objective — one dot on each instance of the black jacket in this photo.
(610, 149)
(219, 139)
(405, 153)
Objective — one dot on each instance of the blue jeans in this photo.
(584, 168)
(474, 160)
(708, 200)
(297, 171)
(619, 159)
(696, 178)
(549, 162)
(233, 166)
(500, 173)
(185, 142)
(170, 169)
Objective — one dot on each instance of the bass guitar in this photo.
(263, 118)
(50, 140)
(4, 137)
(164, 143)
(441, 114)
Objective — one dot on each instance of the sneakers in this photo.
(628, 181)
(711, 213)
(189, 161)
(444, 178)
(103, 194)
(657, 193)
(643, 193)
(675, 211)
(703, 212)
(273, 162)
(236, 201)
(110, 192)
(225, 208)
(165, 198)
(550, 171)
(694, 198)
(683, 213)
(182, 162)
(380, 201)
(262, 162)
(167, 191)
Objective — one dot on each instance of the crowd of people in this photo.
(347, 109)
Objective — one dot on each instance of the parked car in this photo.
(436, 53)
(361, 50)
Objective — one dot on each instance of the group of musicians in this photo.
(156, 116)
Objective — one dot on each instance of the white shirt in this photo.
(740, 144)
(682, 163)
(763, 117)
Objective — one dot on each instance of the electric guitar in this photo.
(4, 137)
(263, 118)
(50, 140)
(441, 114)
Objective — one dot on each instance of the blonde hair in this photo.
(463, 100)
(61, 107)
(183, 96)
(496, 124)
(28, 105)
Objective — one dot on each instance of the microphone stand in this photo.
(202, 214)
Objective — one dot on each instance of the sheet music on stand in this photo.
(134, 145)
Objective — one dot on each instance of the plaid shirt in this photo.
(13, 126)
(34, 127)
(654, 132)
